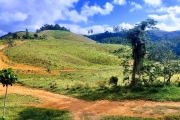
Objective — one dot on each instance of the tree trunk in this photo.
(133, 81)
(5, 102)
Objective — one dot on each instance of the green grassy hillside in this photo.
(58, 34)
(69, 51)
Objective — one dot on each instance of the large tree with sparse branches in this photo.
(137, 38)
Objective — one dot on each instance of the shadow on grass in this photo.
(33, 113)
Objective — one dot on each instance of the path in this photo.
(94, 109)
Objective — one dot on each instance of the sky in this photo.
(82, 15)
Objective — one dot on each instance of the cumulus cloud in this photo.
(135, 6)
(159, 17)
(153, 2)
(120, 2)
(172, 15)
(92, 10)
(126, 25)
(84, 30)
(17, 16)
(162, 10)
(32, 14)
(163, 26)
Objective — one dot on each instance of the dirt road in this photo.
(96, 109)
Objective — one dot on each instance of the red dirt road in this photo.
(94, 109)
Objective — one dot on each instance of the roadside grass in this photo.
(15, 109)
(93, 85)
(166, 117)
(70, 52)
(125, 118)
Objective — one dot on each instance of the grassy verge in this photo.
(167, 117)
(15, 109)
(125, 118)
(93, 85)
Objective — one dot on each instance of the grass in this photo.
(166, 117)
(125, 118)
(67, 52)
(93, 85)
(15, 109)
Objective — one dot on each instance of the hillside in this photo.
(19, 33)
(154, 35)
(64, 50)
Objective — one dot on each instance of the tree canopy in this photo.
(51, 27)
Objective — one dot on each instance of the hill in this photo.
(62, 50)
(154, 35)
(19, 33)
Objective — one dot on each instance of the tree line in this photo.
(51, 27)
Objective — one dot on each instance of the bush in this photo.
(178, 84)
(115, 88)
(113, 80)
(153, 90)
(137, 88)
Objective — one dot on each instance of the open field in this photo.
(81, 68)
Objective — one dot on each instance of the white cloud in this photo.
(7, 17)
(92, 10)
(174, 14)
(120, 2)
(135, 6)
(126, 26)
(163, 26)
(80, 30)
(159, 17)
(162, 9)
(20, 14)
(153, 2)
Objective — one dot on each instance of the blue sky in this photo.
(80, 15)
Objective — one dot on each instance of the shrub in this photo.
(115, 88)
(153, 90)
(113, 80)
(178, 84)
